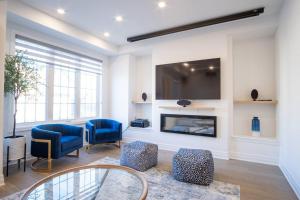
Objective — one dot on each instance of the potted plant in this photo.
(21, 76)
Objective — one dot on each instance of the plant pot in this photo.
(16, 146)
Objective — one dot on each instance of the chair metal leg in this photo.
(76, 155)
(118, 144)
(25, 157)
(7, 160)
(43, 170)
(49, 160)
(88, 148)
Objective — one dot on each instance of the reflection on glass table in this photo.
(99, 182)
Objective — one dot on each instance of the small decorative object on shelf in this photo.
(144, 96)
(254, 94)
(141, 123)
(184, 102)
(255, 127)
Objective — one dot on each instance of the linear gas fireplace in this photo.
(189, 124)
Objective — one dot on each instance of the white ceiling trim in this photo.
(29, 13)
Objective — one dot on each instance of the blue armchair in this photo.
(103, 131)
(52, 141)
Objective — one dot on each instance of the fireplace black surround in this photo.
(189, 124)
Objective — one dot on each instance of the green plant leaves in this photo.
(21, 75)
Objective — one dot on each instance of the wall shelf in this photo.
(188, 107)
(253, 139)
(273, 102)
(142, 102)
(139, 128)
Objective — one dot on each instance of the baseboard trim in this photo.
(216, 154)
(293, 183)
(2, 179)
(254, 158)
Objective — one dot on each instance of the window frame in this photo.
(50, 94)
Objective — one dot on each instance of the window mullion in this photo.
(77, 94)
(49, 93)
(99, 96)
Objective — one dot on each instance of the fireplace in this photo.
(189, 124)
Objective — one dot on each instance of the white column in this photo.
(2, 56)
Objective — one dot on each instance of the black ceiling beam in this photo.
(209, 22)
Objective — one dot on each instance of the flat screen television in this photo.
(194, 80)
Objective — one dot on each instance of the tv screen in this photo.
(189, 80)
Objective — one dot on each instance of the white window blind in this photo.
(56, 56)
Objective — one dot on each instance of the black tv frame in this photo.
(220, 88)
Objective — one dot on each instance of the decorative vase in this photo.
(16, 146)
(255, 127)
(254, 94)
(184, 102)
(144, 96)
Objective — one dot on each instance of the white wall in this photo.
(199, 44)
(2, 56)
(197, 47)
(143, 83)
(254, 68)
(122, 89)
(288, 54)
(202, 46)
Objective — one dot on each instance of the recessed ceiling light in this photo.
(60, 11)
(106, 34)
(162, 4)
(211, 67)
(119, 18)
(186, 64)
(192, 69)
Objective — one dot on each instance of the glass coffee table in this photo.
(98, 182)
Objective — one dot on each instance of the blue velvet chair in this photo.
(103, 131)
(52, 141)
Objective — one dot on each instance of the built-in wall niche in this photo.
(254, 68)
(143, 84)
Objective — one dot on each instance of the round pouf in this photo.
(139, 155)
(193, 166)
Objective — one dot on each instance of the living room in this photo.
(144, 101)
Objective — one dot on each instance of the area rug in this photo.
(162, 186)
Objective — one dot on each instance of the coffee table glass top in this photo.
(99, 182)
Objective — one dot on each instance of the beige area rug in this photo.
(162, 186)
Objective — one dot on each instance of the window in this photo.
(64, 94)
(88, 95)
(32, 106)
(70, 85)
(63, 186)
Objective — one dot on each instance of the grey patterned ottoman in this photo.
(193, 166)
(139, 155)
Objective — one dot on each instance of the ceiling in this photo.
(142, 16)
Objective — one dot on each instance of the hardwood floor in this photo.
(257, 181)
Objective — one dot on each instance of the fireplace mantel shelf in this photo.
(192, 107)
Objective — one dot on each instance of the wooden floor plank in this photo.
(257, 181)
